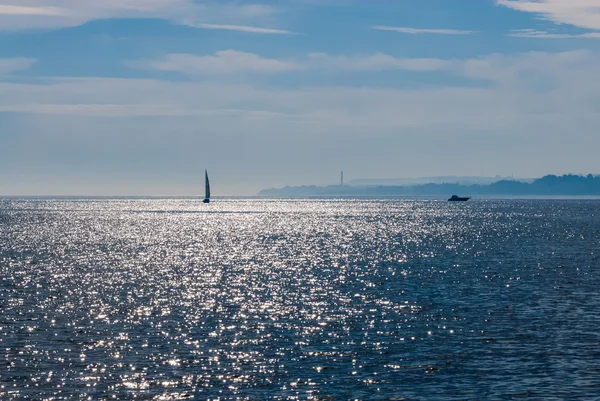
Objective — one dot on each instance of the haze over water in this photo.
(253, 299)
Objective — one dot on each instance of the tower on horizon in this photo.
(342, 179)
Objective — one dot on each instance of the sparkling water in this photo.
(283, 299)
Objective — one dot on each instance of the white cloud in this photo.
(242, 28)
(21, 10)
(377, 62)
(222, 62)
(33, 14)
(232, 61)
(580, 13)
(333, 105)
(150, 110)
(534, 34)
(499, 68)
(541, 111)
(414, 31)
(97, 110)
(44, 14)
(525, 85)
(533, 69)
(8, 65)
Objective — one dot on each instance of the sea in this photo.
(299, 299)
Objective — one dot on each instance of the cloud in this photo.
(242, 28)
(222, 62)
(536, 72)
(377, 62)
(499, 68)
(21, 10)
(580, 13)
(535, 34)
(232, 61)
(34, 14)
(97, 110)
(130, 97)
(50, 14)
(8, 65)
(414, 31)
(540, 109)
(149, 110)
(563, 83)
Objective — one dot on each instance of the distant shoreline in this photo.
(550, 185)
(441, 197)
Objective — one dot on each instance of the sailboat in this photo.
(206, 188)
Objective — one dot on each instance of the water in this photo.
(163, 299)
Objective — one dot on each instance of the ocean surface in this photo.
(323, 299)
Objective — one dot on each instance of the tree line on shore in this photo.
(569, 184)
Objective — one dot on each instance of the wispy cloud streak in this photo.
(376, 62)
(8, 65)
(242, 28)
(235, 62)
(417, 31)
(580, 13)
(51, 14)
(534, 34)
(221, 63)
(6, 9)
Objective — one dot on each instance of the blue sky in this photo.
(137, 97)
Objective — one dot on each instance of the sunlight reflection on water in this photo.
(298, 299)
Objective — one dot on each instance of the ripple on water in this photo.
(298, 299)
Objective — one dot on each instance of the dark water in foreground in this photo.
(299, 299)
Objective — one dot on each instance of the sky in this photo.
(138, 97)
